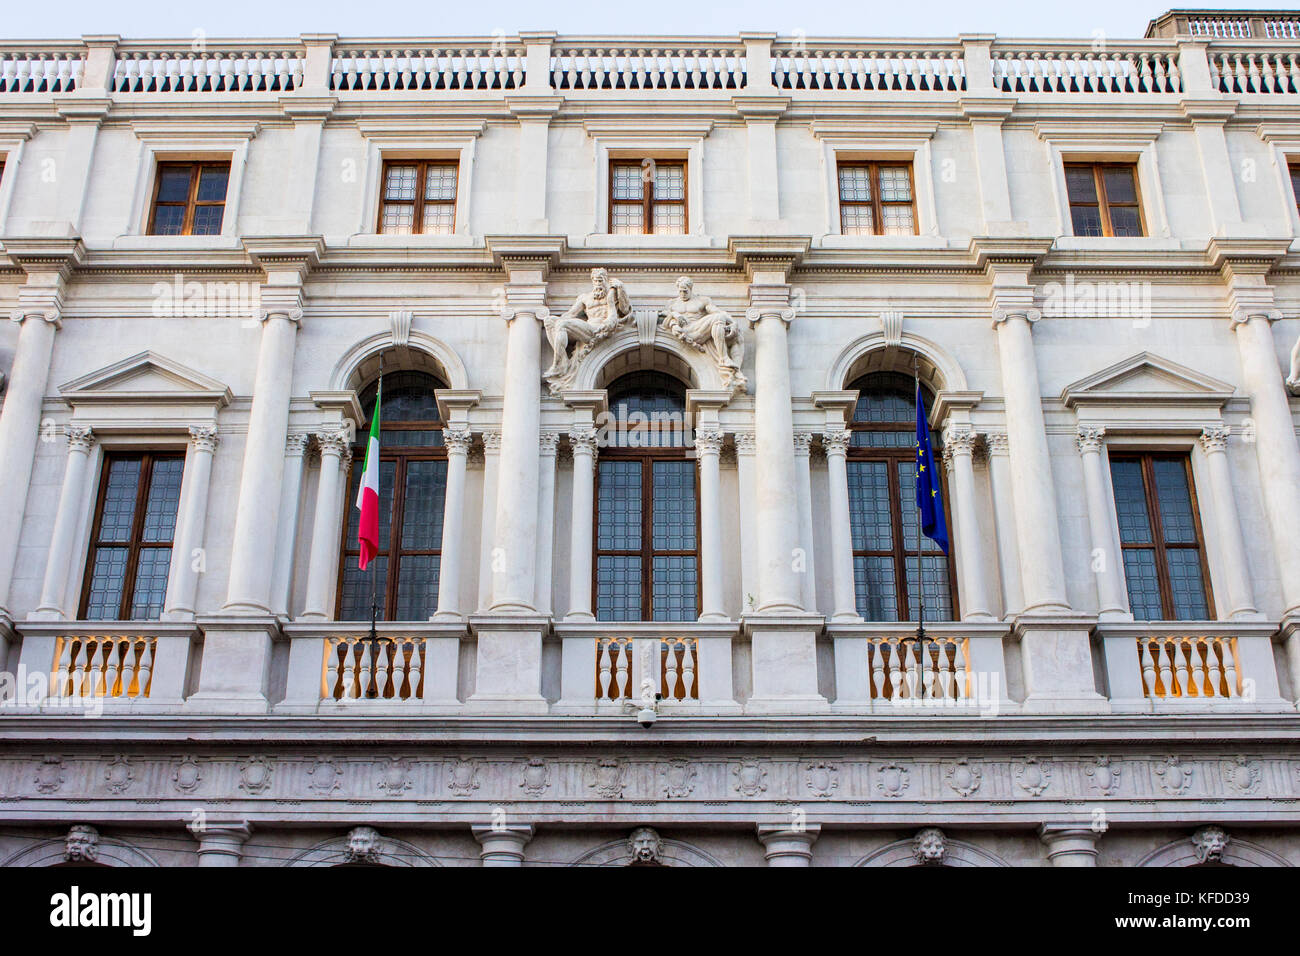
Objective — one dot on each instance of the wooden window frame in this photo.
(876, 204)
(135, 544)
(192, 202)
(1103, 202)
(421, 182)
(1158, 545)
(648, 199)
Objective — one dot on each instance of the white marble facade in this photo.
(1048, 354)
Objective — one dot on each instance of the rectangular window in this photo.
(1160, 535)
(877, 199)
(131, 545)
(189, 199)
(647, 197)
(419, 197)
(1104, 199)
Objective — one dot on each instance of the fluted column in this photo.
(708, 449)
(491, 461)
(959, 456)
(836, 444)
(1041, 569)
(745, 449)
(1004, 517)
(1069, 844)
(189, 558)
(458, 441)
(803, 491)
(546, 519)
(1107, 566)
(787, 846)
(322, 570)
(72, 498)
(20, 422)
(286, 543)
(776, 505)
(583, 443)
(1275, 444)
(502, 845)
(1232, 546)
(514, 567)
(252, 562)
(220, 844)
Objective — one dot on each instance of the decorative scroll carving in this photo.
(593, 317)
(697, 322)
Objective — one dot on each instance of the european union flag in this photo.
(928, 497)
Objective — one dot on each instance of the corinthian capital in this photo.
(959, 440)
(1214, 438)
(1089, 438)
(457, 440)
(583, 441)
(80, 438)
(708, 441)
(203, 437)
(836, 442)
(333, 441)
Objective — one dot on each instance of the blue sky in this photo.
(283, 18)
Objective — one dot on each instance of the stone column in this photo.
(708, 449)
(322, 569)
(183, 586)
(1004, 517)
(221, 844)
(745, 448)
(959, 454)
(501, 845)
(1041, 570)
(845, 608)
(786, 846)
(286, 543)
(491, 462)
(1069, 844)
(1236, 568)
(251, 560)
(20, 422)
(545, 520)
(1107, 565)
(583, 443)
(803, 490)
(1275, 444)
(72, 499)
(458, 441)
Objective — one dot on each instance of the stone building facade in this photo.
(649, 313)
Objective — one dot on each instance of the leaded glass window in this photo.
(1103, 199)
(876, 199)
(647, 196)
(419, 197)
(189, 199)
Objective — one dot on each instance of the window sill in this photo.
(1117, 244)
(176, 243)
(836, 240)
(601, 240)
(459, 240)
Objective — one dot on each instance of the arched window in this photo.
(882, 506)
(647, 545)
(412, 491)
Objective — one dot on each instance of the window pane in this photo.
(174, 183)
(150, 584)
(1086, 220)
(207, 220)
(857, 221)
(628, 181)
(618, 588)
(1187, 584)
(885, 399)
(618, 506)
(1295, 184)
(1175, 501)
(869, 516)
(426, 492)
(673, 515)
(399, 183)
(1130, 502)
(670, 182)
(898, 220)
(168, 220)
(674, 588)
(440, 183)
(938, 599)
(882, 439)
(355, 605)
(907, 501)
(398, 219)
(163, 497)
(855, 184)
(212, 183)
(1143, 585)
(1119, 185)
(874, 588)
(1124, 221)
(417, 586)
(118, 516)
(895, 184)
(439, 219)
(628, 219)
(387, 476)
(107, 578)
(669, 220)
(1080, 185)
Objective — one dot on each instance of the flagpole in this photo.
(372, 689)
(920, 578)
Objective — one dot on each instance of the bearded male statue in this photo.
(594, 316)
(1293, 379)
(695, 320)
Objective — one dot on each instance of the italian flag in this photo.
(368, 493)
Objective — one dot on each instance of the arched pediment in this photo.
(360, 363)
(629, 341)
(1237, 853)
(939, 370)
(110, 852)
(388, 852)
(955, 853)
(671, 853)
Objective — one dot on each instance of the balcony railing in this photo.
(114, 666)
(387, 669)
(1190, 668)
(618, 670)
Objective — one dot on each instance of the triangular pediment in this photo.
(146, 376)
(1146, 378)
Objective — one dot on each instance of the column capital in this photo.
(746, 443)
(708, 441)
(803, 444)
(1069, 844)
(502, 845)
(1240, 316)
(295, 444)
(457, 440)
(787, 846)
(836, 442)
(333, 441)
(50, 313)
(204, 437)
(548, 443)
(755, 314)
(1214, 438)
(959, 440)
(80, 438)
(1003, 314)
(539, 312)
(997, 443)
(583, 440)
(1089, 438)
(221, 844)
(491, 442)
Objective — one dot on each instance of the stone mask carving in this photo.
(363, 845)
(644, 846)
(81, 845)
(1209, 844)
(929, 847)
